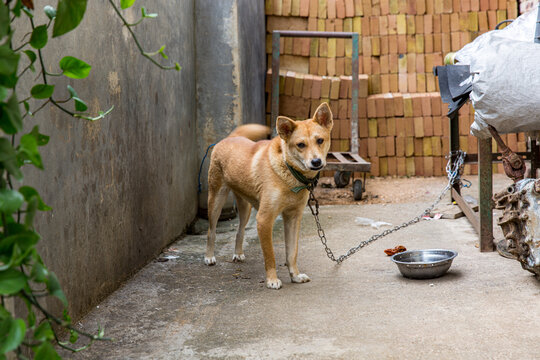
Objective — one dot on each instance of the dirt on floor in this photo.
(389, 190)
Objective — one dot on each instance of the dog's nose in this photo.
(316, 162)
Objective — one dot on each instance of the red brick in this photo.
(372, 147)
(390, 146)
(428, 126)
(349, 8)
(419, 166)
(428, 166)
(316, 87)
(340, 9)
(304, 8)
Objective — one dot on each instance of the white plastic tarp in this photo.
(505, 76)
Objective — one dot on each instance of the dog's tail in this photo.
(253, 132)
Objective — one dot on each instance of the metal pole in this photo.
(275, 81)
(354, 102)
(486, 192)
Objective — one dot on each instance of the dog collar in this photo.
(308, 183)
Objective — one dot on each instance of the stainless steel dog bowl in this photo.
(424, 264)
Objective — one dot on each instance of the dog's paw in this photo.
(210, 260)
(238, 258)
(300, 278)
(273, 284)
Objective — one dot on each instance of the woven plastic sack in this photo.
(505, 76)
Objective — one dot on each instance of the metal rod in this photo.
(486, 192)
(354, 95)
(275, 81)
(315, 34)
(454, 142)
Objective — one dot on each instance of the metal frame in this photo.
(483, 222)
(276, 35)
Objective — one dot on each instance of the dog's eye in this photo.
(320, 141)
(301, 145)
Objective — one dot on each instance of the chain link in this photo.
(453, 170)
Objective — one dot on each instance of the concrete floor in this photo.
(485, 307)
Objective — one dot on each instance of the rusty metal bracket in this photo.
(514, 166)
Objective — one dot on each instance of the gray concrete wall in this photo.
(231, 65)
(124, 187)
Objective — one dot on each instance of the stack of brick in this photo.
(403, 129)
(401, 40)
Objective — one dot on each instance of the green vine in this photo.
(23, 274)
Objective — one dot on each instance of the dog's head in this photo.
(307, 142)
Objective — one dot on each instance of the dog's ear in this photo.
(323, 116)
(285, 127)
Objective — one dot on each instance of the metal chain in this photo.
(453, 170)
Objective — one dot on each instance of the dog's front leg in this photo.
(291, 225)
(265, 223)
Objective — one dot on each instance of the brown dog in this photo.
(259, 175)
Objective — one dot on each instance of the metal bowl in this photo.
(424, 264)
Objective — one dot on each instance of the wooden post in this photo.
(486, 192)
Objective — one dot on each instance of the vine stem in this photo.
(141, 50)
(58, 321)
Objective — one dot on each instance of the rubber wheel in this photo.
(357, 190)
(342, 178)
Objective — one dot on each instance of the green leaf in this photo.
(73, 337)
(31, 318)
(74, 68)
(10, 116)
(42, 91)
(44, 332)
(80, 105)
(3, 93)
(163, 55)
(50, 11)
(4, 19)
(68, 16)
(39, 37)
(46, 351)
(39, 272)
(14, 337)
(9, 60)
(177, 66)
(10, 200)
(8, 81)
(11, 281)
(29, 193)
(32, 57)
(29, 147)
(17, 8)
(8, 156)
(53, 285)
(41, 139)
(31, 209)
(124, 4)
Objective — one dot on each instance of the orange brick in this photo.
(371, 107)
(345, 87)
(321, 68)
(313, 8)
(392, 166)
(437, 166)
(400, 146)
(390, 146)
(289, 83)
(374, 166)
(389, 105)
(419, 166)
(362, 107)
(362, 127)
(331, 9)
(340, 9)
(342, 112)
(426, 105)
(316, 87)
(336, 130)
(428, 126)
(391, 126)
(437, 126)
(381, 127)
(372, 147)
(304, 8)
(401, 166)
(349, 8)
(409, 146)
(416, 104)
(428, 166)
(381, 146)
(292, 106)
(409, 126)
(379, 104)
(400, 127)
(419, 127)
(410, 166)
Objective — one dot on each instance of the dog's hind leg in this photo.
(217, 196)
(244, 211)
